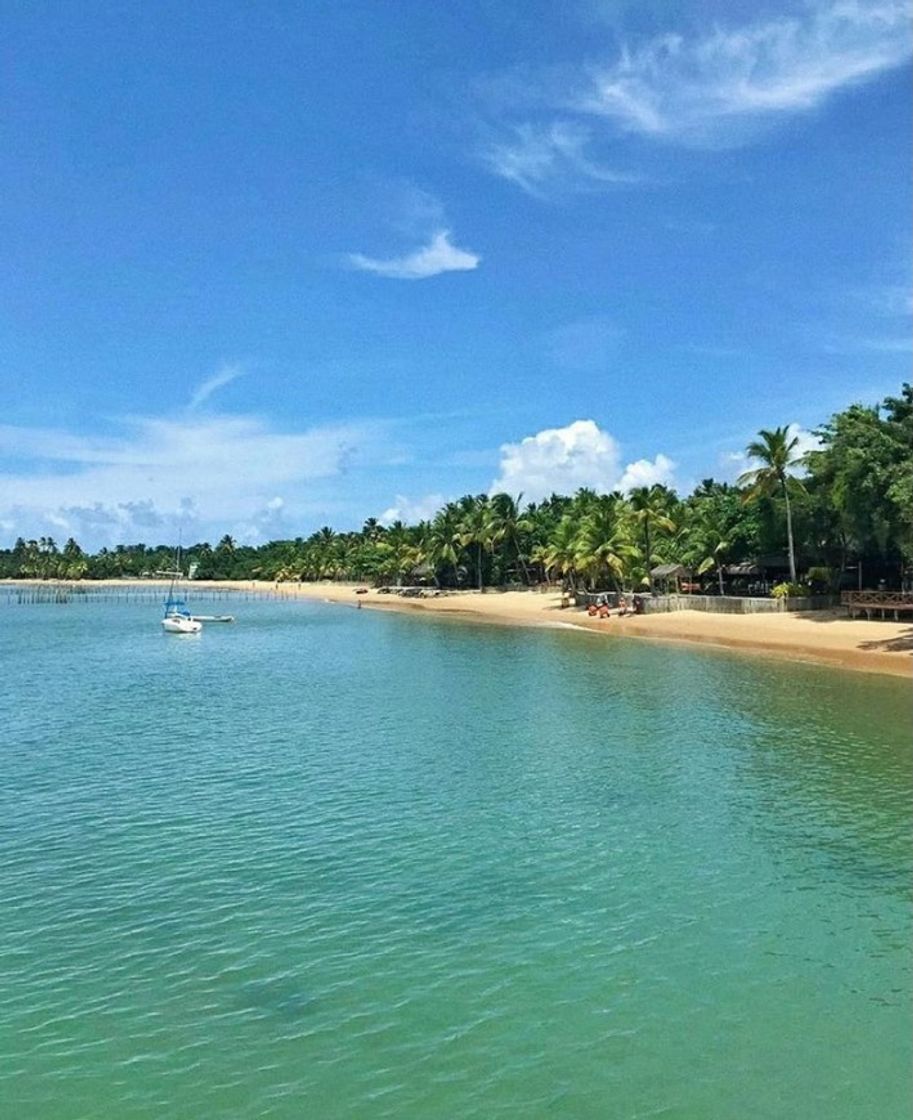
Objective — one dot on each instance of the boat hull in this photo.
(175, 625)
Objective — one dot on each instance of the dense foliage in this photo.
(845, 505)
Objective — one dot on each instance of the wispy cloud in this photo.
(206, 388)
(439, 255)
(159, 471)
(540, 157)
(713, 89)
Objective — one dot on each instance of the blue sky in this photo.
(269, 266)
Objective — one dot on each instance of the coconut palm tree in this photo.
(444, 539)
(775, 450)
(477, 526)
(508, 524)
(650, 511)
(710, 542)
(559, 553)
(398, 548)
(603, 546)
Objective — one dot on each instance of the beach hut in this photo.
(758, 575)
(745, 578)
(668, 573)
(424, 574)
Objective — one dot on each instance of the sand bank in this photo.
(824, 636)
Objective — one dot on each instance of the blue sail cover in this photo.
(176, 606)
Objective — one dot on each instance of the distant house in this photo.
(757, 576)
(667, 574)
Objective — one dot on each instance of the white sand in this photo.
(824, 636)
(827, 636)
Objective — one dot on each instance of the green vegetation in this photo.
(852, 506)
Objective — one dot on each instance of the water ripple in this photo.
(339, 864)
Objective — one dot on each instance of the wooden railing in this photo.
(883, 601)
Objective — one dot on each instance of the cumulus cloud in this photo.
(412, 510)
(648, 472)
(808, 441)
(265, 524)
(439, 255)
(562, 460)
(160, 472)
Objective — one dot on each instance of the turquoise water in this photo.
(334, 863)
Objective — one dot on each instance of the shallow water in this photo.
(333, 863)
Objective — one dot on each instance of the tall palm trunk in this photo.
(520, 558)
(479, 562)
(719, 572)
(649, 564)
(789, 535)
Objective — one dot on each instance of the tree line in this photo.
(847, 503)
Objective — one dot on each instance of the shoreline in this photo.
(822, 637)
(885, 648)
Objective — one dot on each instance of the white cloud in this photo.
(412, 510)
(562, 460)
(712, 88)
(265, 524)
(648, 472)
(734, 463)
(808, 441)
(708, 88)
(205, 390)
(161, 472)
(438, 256)
(552, 154)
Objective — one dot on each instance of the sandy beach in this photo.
(823, 636)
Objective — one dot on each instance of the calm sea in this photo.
(330, 863)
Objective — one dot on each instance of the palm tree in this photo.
(73, 562)
(397, 545)
(372, 529)
(559, 554)
(477, 527)
(444, 539)
(508, 523)
(710, 540)
(603, 546)
(776, 452)
(650, 510)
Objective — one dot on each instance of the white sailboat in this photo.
(177, 618)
